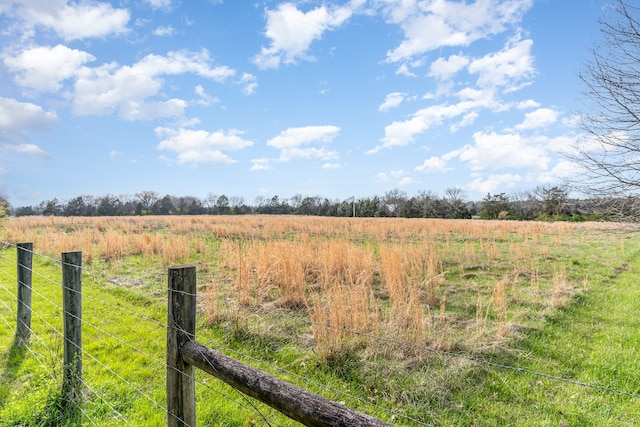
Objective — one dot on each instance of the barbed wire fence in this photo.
(109, 387)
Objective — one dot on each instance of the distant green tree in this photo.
(222, 205)
(164, 206)
(495, 206)
(75, 207)
(456, 205)
(5, 207)
(51, 207)
(109, 205)
(555, 201)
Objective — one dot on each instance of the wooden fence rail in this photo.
(183, 352)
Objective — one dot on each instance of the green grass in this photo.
(593, 339)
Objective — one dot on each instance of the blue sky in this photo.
(262, 98)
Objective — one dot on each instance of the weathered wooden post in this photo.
(181, 328)
(24, 257)
(72, 307)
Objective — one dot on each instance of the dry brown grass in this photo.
(442, 283)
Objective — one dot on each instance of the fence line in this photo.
(76, 377)
(200, 353)
(458, 355)
(184, 353)
(136, 349)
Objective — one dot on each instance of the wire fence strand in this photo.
(48, 281)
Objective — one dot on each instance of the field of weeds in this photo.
(382, 302)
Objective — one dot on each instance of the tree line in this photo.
(541, 203)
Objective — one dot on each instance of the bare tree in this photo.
(147, 199)
(610, 155)
(395, 200)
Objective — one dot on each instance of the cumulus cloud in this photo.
(44, 68)
(200, 146)
(401, 133)
(508, 67)
(561, 170)
(539, 118)
(493, 182)
(502, 71)
(432, 25)
(29, 149)
(292, 31)
(392, 100)
(492, 150)
(17, 119)
(260, 164)
(70, 20)
(434, 164)
(443, 69)
(159, 4)
(295, 142)
(164, 30)
(399, 178)
(126, 89)
(249, 82)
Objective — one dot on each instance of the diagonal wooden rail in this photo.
(184, 353)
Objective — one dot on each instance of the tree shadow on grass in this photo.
(11, 361)
(57, 410)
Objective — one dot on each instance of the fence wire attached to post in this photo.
(181, 328)
(72, 307)
(24, 275)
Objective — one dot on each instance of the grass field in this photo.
(392, 317)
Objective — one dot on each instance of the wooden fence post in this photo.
(181, 328)
(24, 257)
(72, 307)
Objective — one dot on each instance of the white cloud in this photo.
(434, 164)
(400, 133)
(405, 181)
(539, 118)
(205, 99)
(292, 31)
(164, 30)
(493, 182)
(126, 89)
(392, 100)
(30, 149)
(294, 142)
(432, 25)
(529, 103)
(44, 68)
(398, 177)
(250, 83)
(200, 146)
(17, 119)
(507, 67)
(444, 69)
(260, 164)
(403, 70)
(159, 4)
(19, 116)
(560, 171)
(496, 151)
(331, 166)
(382, 176)
(70, 20)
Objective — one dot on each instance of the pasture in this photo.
(414, 321)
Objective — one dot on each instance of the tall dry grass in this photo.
(426, 282)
